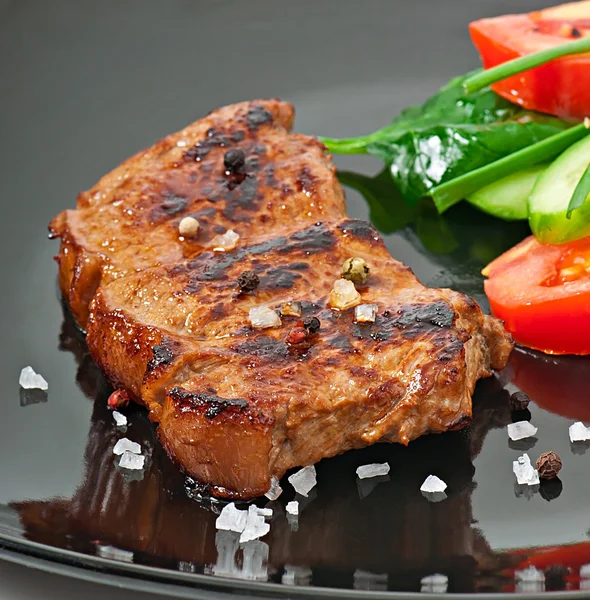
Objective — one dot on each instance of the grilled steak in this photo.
(167, 316)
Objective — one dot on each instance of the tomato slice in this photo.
(560, 87)
(542, 293)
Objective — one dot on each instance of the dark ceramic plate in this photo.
(85, 84)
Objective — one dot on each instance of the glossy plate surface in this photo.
(86, 84)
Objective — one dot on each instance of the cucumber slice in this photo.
(552, 193)
(507, 198)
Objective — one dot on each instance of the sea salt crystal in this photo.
(585, 571)
(529, 574)
(231, 519)
(433, 484)
(521, 430)
(134, 462)
(262, 317)
(125, 445)
(30, 380)
(304, 480)
(372, 470)
(265, 512)
(225, 242)
(524, 471)
(365, 313)
(256, 526)
(275, 489)
(530, 580)
(366, 580)
(344, 295)
(579, 432)
(434, 584)
(296, 575)
(292, 508)
(114, 553)
(120, 418)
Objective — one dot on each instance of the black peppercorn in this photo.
(248, 281)
(555, 577)
(311, 324)
(576, 33)
(234, 160)
(519, 401)
(549, 464)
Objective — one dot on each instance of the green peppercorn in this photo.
(355, 269)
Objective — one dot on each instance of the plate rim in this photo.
(177, 584)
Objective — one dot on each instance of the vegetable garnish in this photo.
(581, 193)
(560, 87)
(451, 192)
(557, 209)
(542, 293)
(515, 66)
(467, 137)
(453, 134)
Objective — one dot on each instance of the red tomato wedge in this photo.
(560, 87)
(542, 293)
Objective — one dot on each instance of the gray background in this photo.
(84, 84)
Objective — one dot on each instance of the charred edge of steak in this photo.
(162, 355)
(215, 404)
(256, 117)
(359, 229)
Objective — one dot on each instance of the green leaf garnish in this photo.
(581, 193)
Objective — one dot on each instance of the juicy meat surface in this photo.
(167, 321)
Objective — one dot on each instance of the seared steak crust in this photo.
(168, 321)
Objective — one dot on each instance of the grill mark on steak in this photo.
(280, 277)
(215, 405)
(264, 347)
(416, 319)
(256, 117)
(163, 355)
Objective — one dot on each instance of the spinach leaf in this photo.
(451, 134)
(424, 158)
(450, 105)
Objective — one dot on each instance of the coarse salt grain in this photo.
(231, 519)
(131, 461)
(436, 583)
(365, 313)
(256, 527)
(291, 309)
(265, 512)
(579, 432)
(292, 508)
(344, 295)
(372, 470)
(529, 574)
(225, 242)
(433, 484)
(275, 489)
(585, 571)
(125, 445)
(524, 471)
(262, 317)
(304, 480)
(29, 380)
(120, 419)
(521, 430)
